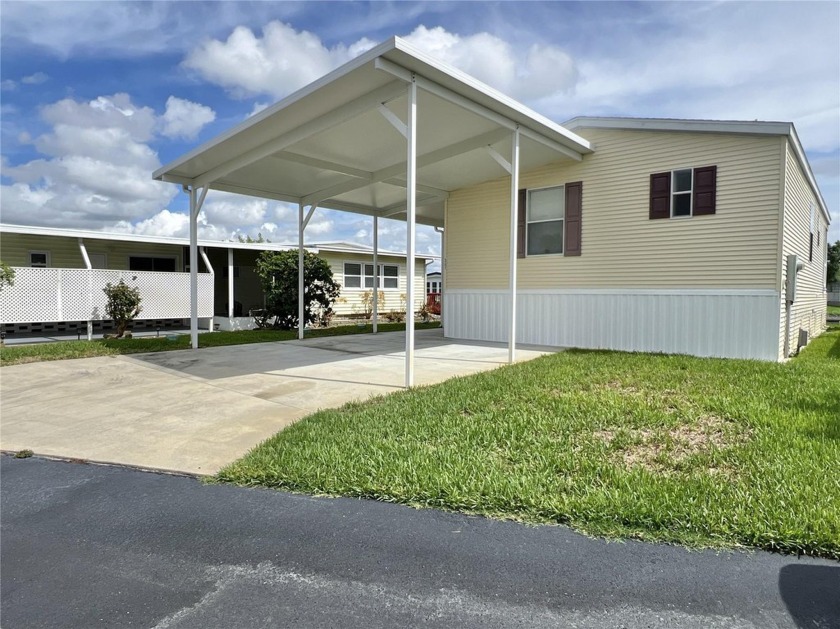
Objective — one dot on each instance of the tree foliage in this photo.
(7, 275)
(278, 273)
(123, 304)
(833, 274)
(248, 238)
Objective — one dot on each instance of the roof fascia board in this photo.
(61, 232)
(711, 126)
(667, 124)
(111, 236)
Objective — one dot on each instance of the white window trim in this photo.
(689, 192)
(362, 277)
(548, 220)
(47, 256)
(154, 255)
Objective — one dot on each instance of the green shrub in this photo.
(123, 305)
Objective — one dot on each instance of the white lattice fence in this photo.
(51, 295)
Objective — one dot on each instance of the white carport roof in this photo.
(390, 121)
(332, 143)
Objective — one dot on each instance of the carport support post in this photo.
(410, 216)
(514, 216)
(230, 284)
(375, 314)
(196, 202)
(89, 268)
(303, 221)
(301, 227)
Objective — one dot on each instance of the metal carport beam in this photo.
(322, 123)
(465, 103)
(323, 164)
(432, 157)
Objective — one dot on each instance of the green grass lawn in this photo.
(16, 354)
(673, 448)
(834, 310)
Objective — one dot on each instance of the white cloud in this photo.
(35, 79)
(184, 119)
(7, 85)
(258, 107)
(96, 167)
(104, 112)
(541, 71)
(278, 63)
(284, 59)
(164, 223)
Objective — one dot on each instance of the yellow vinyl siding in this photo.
(621, 247)
(808, 312)
(65, 254)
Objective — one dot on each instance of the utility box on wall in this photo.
(793, 268)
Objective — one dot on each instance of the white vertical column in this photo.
(89, 268)
(230, 283)
(514, 219)
(410, 216)
(301, 227)
(193, 268)
(376, 279)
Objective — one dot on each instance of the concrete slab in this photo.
(196, 411)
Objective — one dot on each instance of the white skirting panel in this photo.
(725, 323)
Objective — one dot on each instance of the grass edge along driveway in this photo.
(64, 350)
(703, 452)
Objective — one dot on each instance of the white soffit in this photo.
(328, 143)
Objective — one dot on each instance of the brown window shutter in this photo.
(521, 233)
(660, 195)
(705, 190)
(572, 228)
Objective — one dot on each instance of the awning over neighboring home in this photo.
(390, 121)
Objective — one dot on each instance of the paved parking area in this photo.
(195, 411)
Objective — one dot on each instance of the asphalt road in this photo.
(93, 546)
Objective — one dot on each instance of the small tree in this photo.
(833, 274)
(123, 305)
(278, 273)
(7, 275)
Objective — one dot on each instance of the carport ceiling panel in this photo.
(377, 195)
(369, 142)
(283, 177)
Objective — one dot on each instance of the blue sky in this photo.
(95, 96)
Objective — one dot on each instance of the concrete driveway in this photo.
(195, 411)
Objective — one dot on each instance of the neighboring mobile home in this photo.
(60, 273)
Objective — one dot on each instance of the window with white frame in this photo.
(39, 259)
(546, 214)
(358, 275)
(682, 186)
